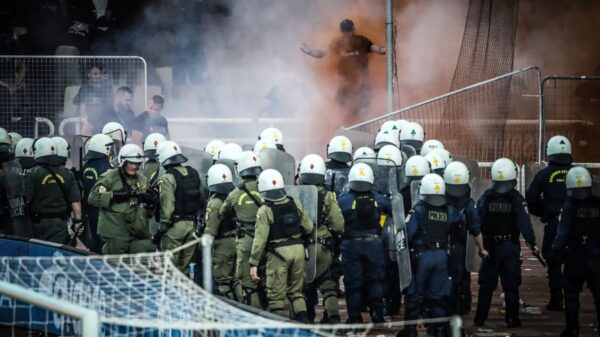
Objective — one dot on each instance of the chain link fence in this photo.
(58, 87)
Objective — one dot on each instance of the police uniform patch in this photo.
(102, 189)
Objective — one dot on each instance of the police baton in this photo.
(536, 254)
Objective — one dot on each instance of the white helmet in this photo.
(5, 137)
(364, 155)
(220, 179)
(558, 150)
(169, 153)
(402, 123)
(579, 183)
(214, 147)
(130, 153)
(270, 184)
(14, 139)
(116, 131)
(391, 126)
(274, 135)
(99, 146)
(230, 151)
(340, 149)
(360, 178)
(312, 170)
(416, 167)
(504, 175)
(456, 177)
(63, 148)
(248, 164)
(386, 138)
(412, 134)
(389, 155)
(436, 162)
(6, 147)
(431, 144)
(24, 152)
(264, 144)
(45, 151)
(152, 142)
(433, 190)
(445, 154)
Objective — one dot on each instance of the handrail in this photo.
(90, 320)
(441, 97)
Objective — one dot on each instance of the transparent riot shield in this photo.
(391, 224)
(414, 192)
(280, 161)
(336, 180)
(401, 242)
(358, 138)
(15, 194)
(381, 183)
(79, 148)
(200, 160)
(408, 150)
(397, 180)
(308, 196)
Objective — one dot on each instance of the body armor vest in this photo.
(500, 219)
(585, 227)
(227, 224)
(364, 207)
(286, 220)
(436, 228)
(187, 192)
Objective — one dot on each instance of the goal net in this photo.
(139, 295)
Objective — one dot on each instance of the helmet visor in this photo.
(273, 194)
(434, 200)
(312, 179)
(251, 172)
(579, 193)
(341, 157)
(457, 190)
(360, 186)
(222, 188)
(503, 186)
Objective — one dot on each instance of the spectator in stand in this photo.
(96, 94)
(151, 121)
(119, 112)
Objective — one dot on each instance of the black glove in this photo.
(149, 198)
(157, 238)
(122, 195)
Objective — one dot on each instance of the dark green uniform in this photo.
(224, 248)
(240, 206)
(49, 211)
(175, 222)
(331, 222)
(284, 248)
(122, 225)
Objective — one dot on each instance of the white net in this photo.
(140, 295)
(59, 87)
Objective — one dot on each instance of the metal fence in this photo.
(500, 117)
(571, 106)
(58, 87)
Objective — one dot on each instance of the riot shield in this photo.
(78, 145)
(15, 194)
(280, 161)
(308, 196)
(200, 160)
(401, 242)
(396, 180)
(414, 192)
(391, 224)
(358, 138)
(336, 180)
(381, 182)
(531, 170)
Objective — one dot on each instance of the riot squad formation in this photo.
(401, 219)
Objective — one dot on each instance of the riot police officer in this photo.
(241, 206)
(415, 169)
(281, 224)
(96, 163)
(458, 195)
(431, 144)
(52, 194)
(330, 227)
(64, 149)
(428, 229)
(545, 197)
(412, 134)
(383, 138)
(213, 148)
(339, 153)
(181, 199)
(362, 247)
(120, 194)
(151, 166)
(273, 134)
(24, 153)
(578, 243)
(220, 183)
(503, 214)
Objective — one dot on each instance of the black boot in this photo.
(570, 332)
(302, 317)
(556, 300)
